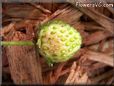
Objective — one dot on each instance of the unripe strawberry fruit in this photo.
(58, 41)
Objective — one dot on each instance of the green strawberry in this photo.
(58, 41)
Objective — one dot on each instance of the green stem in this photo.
(16, 43)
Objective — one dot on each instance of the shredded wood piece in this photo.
(111, 10)
(104, 21)
(24, 18)
(102, 76)
(100, 57)
(82, 80)
(6, 70)
(24, 68)
(6, 29)
(108, 47)
(97, 66)
(77, 76)
(40, 8)
(79, 26)
(56, 13)
(65, 71)
(80, 52)
(110, 81)
(91, 26)
(71, 75)
(58, 72)
(59, 69)
(101, 45)
(94, 47)
(71, 15)
(96, 37)
(18, 25)
(12, 19)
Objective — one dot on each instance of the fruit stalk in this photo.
(16, 43)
